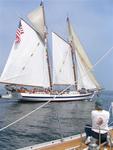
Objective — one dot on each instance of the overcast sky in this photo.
(91, 19)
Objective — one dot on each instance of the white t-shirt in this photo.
(100, 119)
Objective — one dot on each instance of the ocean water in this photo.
(49, 123)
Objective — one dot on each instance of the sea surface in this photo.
(54, 121)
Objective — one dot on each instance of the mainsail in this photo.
(27, 62)
(85, 77)
(62, 61)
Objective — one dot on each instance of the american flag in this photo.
(19, 32)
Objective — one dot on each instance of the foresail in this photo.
(36, 17)
(27, 62)
(62, 61)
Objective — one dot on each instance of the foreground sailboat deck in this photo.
(71, 143)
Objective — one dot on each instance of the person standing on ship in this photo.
(99, 127)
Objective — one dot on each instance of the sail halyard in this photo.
(72, 53)
(22, 67)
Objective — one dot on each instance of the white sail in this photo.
(78, 47)
(27, 62)
(62, 61)
(85, 79)
(36, 17)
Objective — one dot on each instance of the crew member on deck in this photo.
(100, 120)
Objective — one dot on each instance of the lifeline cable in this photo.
(99, 60)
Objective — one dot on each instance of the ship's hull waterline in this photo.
(29, 97)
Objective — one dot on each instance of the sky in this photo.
(92, 21)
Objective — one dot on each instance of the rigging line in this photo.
(101, 58)
(110, 123)
(28, 114)
(59, 122)
(60, 127)
(54, 96)
(25, 116)
(98, 61)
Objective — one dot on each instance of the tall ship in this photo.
(31, 75)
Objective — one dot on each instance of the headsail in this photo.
(27, 62)
(37, 19)
(85, 77)
(62, 61)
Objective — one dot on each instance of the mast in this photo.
(46, 44)
(72, 52)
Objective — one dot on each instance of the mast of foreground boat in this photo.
(72, 52)
(46, 44)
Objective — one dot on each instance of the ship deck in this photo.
(70, 143)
